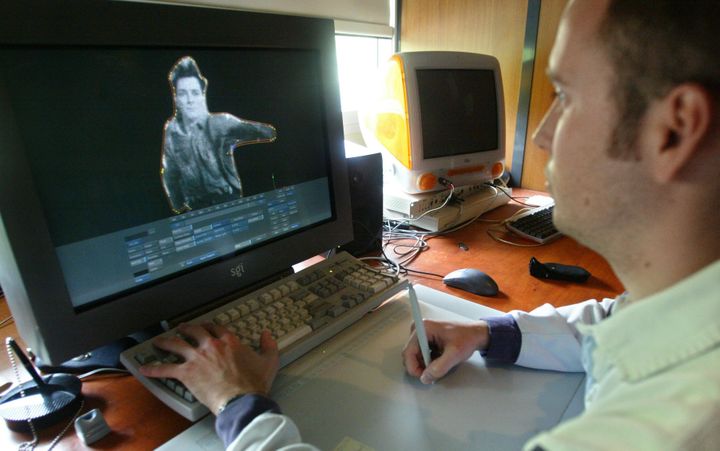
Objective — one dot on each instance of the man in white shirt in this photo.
(635, 172)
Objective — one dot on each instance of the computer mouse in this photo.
(472, 280)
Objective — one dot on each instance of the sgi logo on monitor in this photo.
(237, 271)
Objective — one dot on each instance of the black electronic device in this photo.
(366, 198)
(558, 271)
(473, 281)
(44, 400)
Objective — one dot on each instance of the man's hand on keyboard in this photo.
(217, 366)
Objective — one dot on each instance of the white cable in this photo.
(103, 370)
(409, 221)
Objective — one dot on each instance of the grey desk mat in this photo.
(353, 393)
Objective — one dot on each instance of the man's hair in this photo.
(186, 67)
(653, 47)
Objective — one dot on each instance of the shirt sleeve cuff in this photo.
(239, 413)
(505, 339)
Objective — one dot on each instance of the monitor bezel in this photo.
(30, 273)
(442, 60)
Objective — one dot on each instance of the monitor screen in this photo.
(458, 111)
(101, 130)
(151, 169)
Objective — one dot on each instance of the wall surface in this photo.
(542, 94)
(495, 27)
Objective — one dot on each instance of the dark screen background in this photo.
(91, 121)
(458, 110)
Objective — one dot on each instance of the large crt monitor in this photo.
(157, 159)
(437, 115)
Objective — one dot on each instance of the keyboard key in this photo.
(319, 309)
(318, 322)
(233, 313)
(222, 319)
(336, 311)
(145, 359)
(378, 286)
(266, 298)
(293, 336)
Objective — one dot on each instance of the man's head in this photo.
(189, 88)
(623, 131)
(654, 47)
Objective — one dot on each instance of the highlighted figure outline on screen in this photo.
(197, 165)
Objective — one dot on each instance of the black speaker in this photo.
(366, 196)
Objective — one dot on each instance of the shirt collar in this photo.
(177, 128)
(648, 335)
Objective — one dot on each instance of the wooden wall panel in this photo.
(542, 94)
(494, 27)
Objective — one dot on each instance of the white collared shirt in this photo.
(653, 370)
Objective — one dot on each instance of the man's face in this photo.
(190, 99)
(589, 187)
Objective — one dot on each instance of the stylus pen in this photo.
(419, 326)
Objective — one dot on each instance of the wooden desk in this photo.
(509, 265)
(139, 421)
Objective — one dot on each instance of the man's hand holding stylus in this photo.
(451, 344)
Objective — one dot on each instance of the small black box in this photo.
(365, 174)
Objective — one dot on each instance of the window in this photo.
(359, 58)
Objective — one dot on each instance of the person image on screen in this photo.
(198, 167)
(634, 142)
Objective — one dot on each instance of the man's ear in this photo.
(682, 121)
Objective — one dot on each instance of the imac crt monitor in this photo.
(437, 115)
(157, 159)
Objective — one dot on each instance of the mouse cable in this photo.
(406, 252)
(388, 265)
(386, 262)
(401, 267)
(408, 270)
(392, 236)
